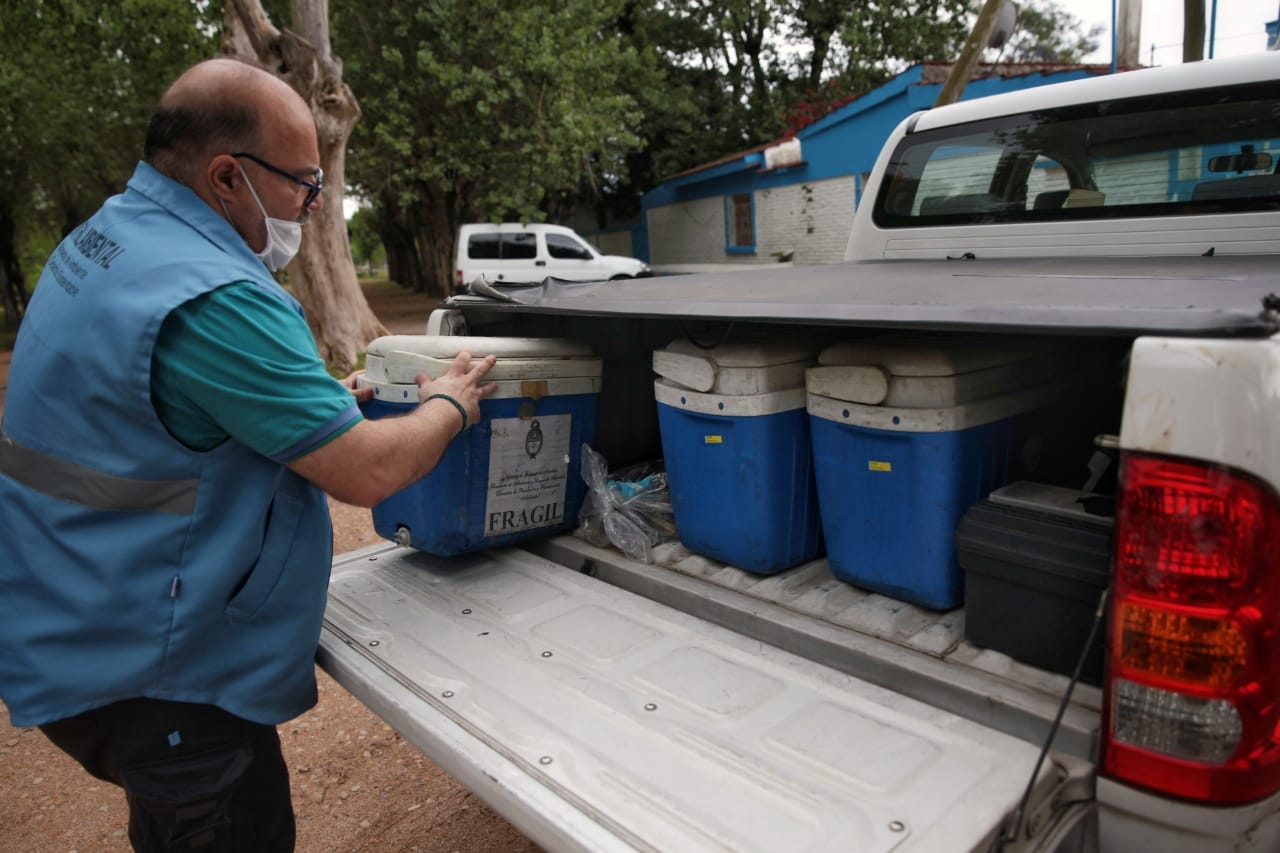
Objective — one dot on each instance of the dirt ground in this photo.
(357, 785)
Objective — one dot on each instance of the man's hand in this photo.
(377, 458)
(460, 383)
(362, 395)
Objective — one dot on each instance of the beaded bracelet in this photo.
(456, 405)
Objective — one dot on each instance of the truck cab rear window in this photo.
(1211, 151)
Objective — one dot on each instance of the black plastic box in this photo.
(1035, 564)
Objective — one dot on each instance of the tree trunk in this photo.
(13, 293)
(323, 275)
(1128, 34)
(438, 228)
(397, 233)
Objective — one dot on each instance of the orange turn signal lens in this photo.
(1171, 645)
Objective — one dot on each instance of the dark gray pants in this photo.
(195, 777)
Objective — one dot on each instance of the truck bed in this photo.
(596, 718)
(809, 612)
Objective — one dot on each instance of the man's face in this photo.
(306, 184)
(280, 174)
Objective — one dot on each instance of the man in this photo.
(168, 437)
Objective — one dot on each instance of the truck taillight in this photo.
(1192, 704)
(457, 281)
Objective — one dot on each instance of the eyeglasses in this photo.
(313, 190)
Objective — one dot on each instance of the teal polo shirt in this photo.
(238, 362)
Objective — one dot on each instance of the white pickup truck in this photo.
(604, 703)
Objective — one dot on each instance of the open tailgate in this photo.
(595, 719)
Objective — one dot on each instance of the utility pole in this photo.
(1192, 30)
(973, 45)
(1128, 29)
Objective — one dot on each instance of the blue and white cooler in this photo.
(735, 437)
(910, 429)
(510, 477)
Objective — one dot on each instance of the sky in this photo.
(1241, 27)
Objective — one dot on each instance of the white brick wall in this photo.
(688, 233)
(811, 220)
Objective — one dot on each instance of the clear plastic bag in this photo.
(630, 510)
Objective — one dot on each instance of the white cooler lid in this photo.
(947, 419)
(448, 346)
(729, 405)
(925, 370)
(934, 354)
(396, 359)
(736, 367)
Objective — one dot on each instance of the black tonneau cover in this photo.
(1178, 296)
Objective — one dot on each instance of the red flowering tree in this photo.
(813, 104)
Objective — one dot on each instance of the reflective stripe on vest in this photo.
(69, 481)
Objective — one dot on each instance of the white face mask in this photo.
(283, 237)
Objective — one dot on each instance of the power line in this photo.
(1218, 40)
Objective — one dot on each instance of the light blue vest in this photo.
(130, 565)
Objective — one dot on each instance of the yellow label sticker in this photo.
(873, 465)
(712, 439)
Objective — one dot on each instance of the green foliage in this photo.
(739, 72)
(366, 243)
(879, 41)
(1048, 33)
(501, 103)
(699, 110)
(79, 80)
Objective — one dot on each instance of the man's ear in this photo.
(222, 173)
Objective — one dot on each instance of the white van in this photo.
(511, 252)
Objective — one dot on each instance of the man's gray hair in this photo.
(181, 138)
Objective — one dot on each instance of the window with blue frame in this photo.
(739, 224)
